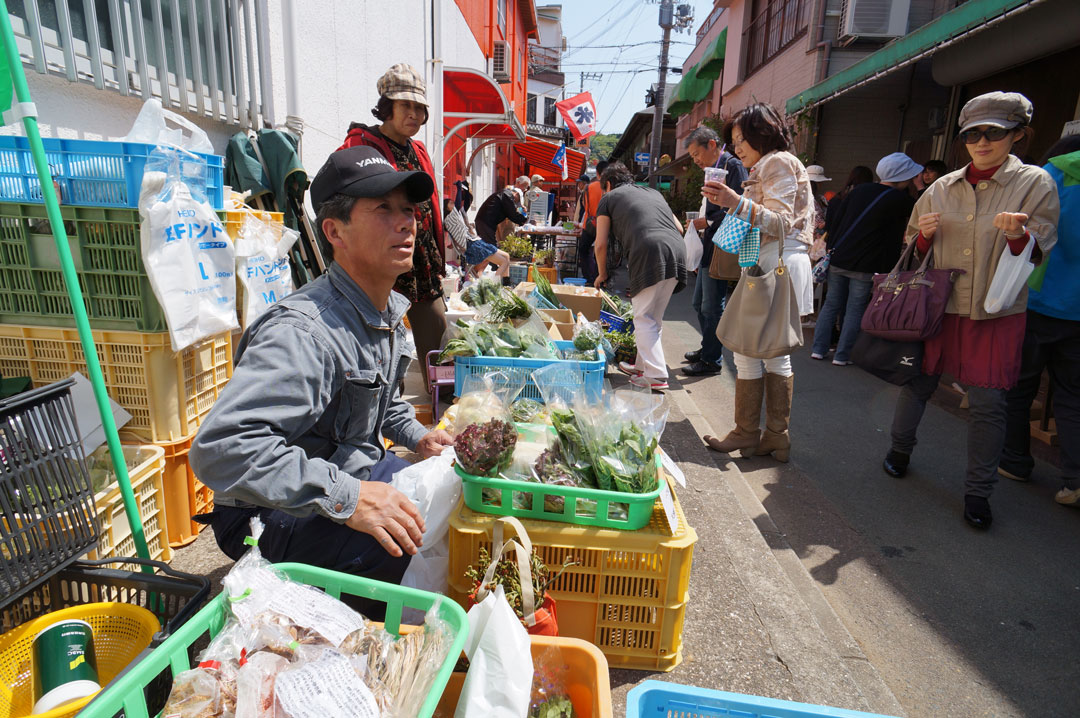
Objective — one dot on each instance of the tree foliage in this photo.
(602, 145)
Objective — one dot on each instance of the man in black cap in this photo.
(296, 435)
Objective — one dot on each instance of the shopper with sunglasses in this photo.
(968, 218)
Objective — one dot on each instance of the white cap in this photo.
(897, 167)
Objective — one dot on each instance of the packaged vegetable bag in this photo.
(189, 258)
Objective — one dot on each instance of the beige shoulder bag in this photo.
(761, 318)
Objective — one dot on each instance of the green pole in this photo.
(93, 366)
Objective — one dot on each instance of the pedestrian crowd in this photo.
(946, 252)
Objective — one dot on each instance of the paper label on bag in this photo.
(670, 466)
(668, 502)
(326, 687)
(305, 606)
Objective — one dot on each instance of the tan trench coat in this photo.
(966, 237)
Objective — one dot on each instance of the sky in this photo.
(620, 40)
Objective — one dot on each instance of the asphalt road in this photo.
(956, 622)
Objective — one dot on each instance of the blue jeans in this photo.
(843, 290)
(710, 295)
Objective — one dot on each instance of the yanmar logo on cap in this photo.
(374, 161)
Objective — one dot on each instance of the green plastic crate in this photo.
(105, 247)
(638, 508)
(126, 692)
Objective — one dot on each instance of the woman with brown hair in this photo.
(969, 218)
(781, 205)
(402, 110)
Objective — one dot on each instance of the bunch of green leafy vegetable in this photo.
(543, 287)
(588, 336)
(507, 306)
(481, 338)
(517, 247)
(626, 462)
(572, 445)
(622, 339)
(481, 292)
(526, 410)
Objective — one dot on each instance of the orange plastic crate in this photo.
(168, 395)
(185, 495)
(627, 594)
(587, 681)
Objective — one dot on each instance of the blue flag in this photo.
(559, 160)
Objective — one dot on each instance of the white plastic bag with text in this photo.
(262, 264)
(189, 258)
(499, 681)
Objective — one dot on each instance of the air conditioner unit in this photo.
(500, 61)
(873, 18)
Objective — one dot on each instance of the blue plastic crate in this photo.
(518, 273)
(541, 302)
(657, 699)
(90, 173)
(587, 373)
(575, 281)
(615, 323)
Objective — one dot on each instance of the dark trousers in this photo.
(314, 539)
(428, 322)
(710, 297)
(985, 431)
(1051, 344)
(587, 258)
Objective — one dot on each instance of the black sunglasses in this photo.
(994, 134)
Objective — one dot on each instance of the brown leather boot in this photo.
(747, 431)
(775, 440)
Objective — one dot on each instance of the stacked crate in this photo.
(168, 395)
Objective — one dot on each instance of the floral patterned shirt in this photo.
(424, 282)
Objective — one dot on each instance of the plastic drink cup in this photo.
(63, 665)
(691, 216)
(715, 174)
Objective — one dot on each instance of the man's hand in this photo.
(1011, 223)
(701, 223)
(433, 443)
(928, 224)
(601, 280)
(386, 514)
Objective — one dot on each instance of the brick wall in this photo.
(788, 74)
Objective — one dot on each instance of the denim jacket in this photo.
(299, 425)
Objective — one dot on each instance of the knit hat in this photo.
(897, 167)
(402, 82)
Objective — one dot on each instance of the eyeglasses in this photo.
(993, 134)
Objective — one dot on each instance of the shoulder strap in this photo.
(858, 219)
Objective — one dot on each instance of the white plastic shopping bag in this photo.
(1010, 277)
(499, 681)
(694, 249)
(152, 127)
(262, 264)
(189, 258)
(434, 488)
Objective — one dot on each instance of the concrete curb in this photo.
(826, 664)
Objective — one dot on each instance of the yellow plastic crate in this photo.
(168, 395)
(146, 483)
(234, 219)
(627, 594)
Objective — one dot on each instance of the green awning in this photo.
(712, 63)
(967, 19)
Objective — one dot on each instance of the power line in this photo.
(634, 44)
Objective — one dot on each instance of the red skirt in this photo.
(984, 353)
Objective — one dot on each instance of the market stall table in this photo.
(563, 241)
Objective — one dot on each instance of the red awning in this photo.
(539, 155)
(474, 106)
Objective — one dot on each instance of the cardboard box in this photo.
(581, 300)
(558, 316)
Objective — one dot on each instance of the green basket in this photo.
(105, 247)
(633, 511)
(126, 692)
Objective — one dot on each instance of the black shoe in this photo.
(977, 512)
(693, 356)
(702, 368)
(896, 463)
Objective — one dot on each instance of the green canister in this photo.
(63, 665)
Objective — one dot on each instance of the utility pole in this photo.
(669, 19)
(591, 76)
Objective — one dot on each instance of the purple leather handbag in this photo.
(908, 305)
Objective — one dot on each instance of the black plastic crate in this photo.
(172, 596)
(47, 514)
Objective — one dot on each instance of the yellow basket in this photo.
(147, 484)
(121, 632)
(234, 219)
(627, 594)
(168, 395)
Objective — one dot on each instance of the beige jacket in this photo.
(780, 188)
(966, 237)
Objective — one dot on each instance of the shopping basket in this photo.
(126, 692)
